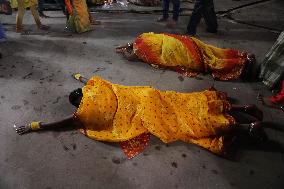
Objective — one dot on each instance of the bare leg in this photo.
(34, 126)
(20, 15)
(37, 19)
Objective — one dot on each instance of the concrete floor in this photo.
(35, 80)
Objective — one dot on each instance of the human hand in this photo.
(22, 129)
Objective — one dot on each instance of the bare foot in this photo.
(19, 29)
(22, 129)
(256, 131)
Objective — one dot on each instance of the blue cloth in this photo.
(2, 32)
(205, 9)
(176, 7)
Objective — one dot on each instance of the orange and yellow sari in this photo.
(189, 56)
(128, 114)
(79, 20)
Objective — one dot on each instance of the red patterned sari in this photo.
(189, 56)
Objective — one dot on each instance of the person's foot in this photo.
(256, 131)
(19, 29)
(162, 19)
(22, 129)
(172, 24)
(43, 27)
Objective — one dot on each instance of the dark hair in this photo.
(75, 97)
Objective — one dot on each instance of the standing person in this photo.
(79, 19)
(22, 5)
(203, 8)
(176, 7)
(40, 9)
(272, 73)
(272, 67)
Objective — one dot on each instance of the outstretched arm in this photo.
(34, 126)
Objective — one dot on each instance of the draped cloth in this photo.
(115, 113)
(189, 56)
(79, 20)
(272, 67)
(27, 3)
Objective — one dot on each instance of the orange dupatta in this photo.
(189, 56)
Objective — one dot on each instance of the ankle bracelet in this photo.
(35, 126)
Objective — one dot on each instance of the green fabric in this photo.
(272, 67)
(73, 24)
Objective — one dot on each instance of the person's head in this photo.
(75, 97)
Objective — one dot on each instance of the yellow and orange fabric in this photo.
(26, 3)
(79, 20)
(189, 56)
(116, 113)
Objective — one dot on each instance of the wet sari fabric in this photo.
(189, 55)
(116, 113)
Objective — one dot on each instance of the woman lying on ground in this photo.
(22, 5)
(188, 55)
(115, 113)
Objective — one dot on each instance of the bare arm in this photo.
(34, 126)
